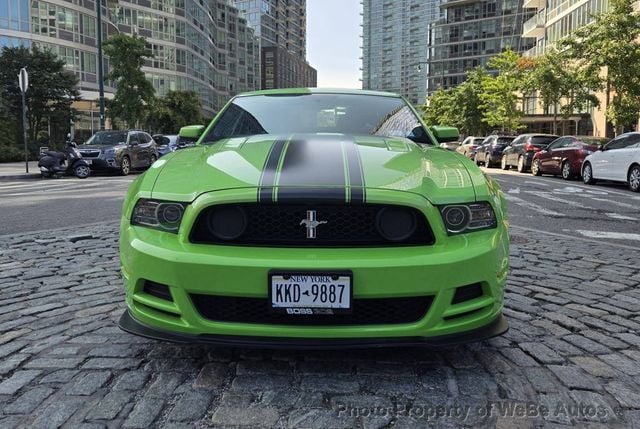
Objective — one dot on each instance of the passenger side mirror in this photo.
(191, 132)
(445, 134)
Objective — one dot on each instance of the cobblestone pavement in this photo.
(570, 358)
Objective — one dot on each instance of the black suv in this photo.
(520, 152)
(120, 151)
(490, 152)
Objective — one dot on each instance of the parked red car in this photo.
(564, 156)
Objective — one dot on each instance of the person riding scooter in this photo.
(67, 162)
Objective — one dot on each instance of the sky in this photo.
(333, 42)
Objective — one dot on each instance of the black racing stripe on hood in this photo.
(311, 195)
(267, 179)
(316, 161)
(356, 173)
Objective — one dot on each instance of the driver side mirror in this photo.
(445, 134)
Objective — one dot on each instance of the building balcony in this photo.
(534, 27)
(534, 4)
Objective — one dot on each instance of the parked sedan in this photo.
(490, 152)
(469, 146)
(618, 161)
(564, 156)
(520, 153)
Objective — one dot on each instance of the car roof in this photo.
(298, 91)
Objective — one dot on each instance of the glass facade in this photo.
(394, 52)
(470, 33)
(202, 46)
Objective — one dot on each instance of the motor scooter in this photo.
(68, 162)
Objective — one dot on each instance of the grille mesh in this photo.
(364, 312)
(346, 226)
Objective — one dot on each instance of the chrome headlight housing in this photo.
(162, 215)
(462, 218)
(110, 153)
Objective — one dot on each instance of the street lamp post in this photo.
(100, 63)
(23, 83)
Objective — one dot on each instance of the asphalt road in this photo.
(40, 204)
(608, 212)
(605, 212)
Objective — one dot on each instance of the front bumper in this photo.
(496, 327)
(436, 271)
(103, 164)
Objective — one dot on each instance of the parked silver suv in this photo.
(120, 151)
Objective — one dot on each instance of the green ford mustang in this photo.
(315, 218)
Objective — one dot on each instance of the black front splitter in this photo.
(497, 327)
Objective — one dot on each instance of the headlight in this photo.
(461, 218)
(110, 152)
(162, 215)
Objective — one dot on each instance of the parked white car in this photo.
(618, 161)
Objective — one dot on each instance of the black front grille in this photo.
(90, 153)
(364, 312)
(346, 226)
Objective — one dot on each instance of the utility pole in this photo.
(100, 63)
(23, 83)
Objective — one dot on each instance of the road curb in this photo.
(21, 176)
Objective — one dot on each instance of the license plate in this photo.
(310, 293)
(88, 161)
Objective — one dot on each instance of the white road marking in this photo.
(535, 183)
(532, 206)
(610, 235)
(513, 191)
(619, 216)
(617, 203)
(536, 232)
(548, 196)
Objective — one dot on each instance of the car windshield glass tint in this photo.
(504, 140)
(594, 141)
(108, 138)
(542, 139)
(315, 113)
(478, 141)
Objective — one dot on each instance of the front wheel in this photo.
(125, 166)
(634, 178)
(535, 168)
(567, 174)
(521, 167)
(152, 160)
(587, 174)
(487, 161)
(82, 171)
(503, 163)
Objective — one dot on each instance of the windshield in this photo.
(504, 140)
(108, 138)
(595, 141)
(318, 113)
(478, 140)
(542, 139)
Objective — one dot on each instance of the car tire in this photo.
(521, 166)
(566, 172)
(503, 163)
(82, 171)
(487, 161)
(125, 166)
(634, 178)
(152, 160)
(535, 168)
(476, 160)
(587, 174)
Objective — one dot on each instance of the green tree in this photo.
(563, 88)
(52, 90)
(134, 93)
(609, 47)
(500, 95)
(175, 110)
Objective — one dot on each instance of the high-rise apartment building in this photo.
(551, 21)
(281, 26)
(202, 46)
(394, 45)
(469, 34)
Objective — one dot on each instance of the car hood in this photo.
(323, 166)
(98, 146)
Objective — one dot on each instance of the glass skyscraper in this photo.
(394, 45)
(201, 46)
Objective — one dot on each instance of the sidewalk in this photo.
(16, 170)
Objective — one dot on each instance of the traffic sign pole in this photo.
(23, 82)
